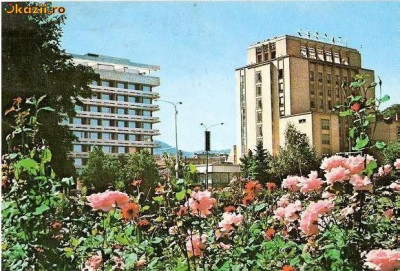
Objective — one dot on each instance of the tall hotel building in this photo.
(295, 80)
(119, 117)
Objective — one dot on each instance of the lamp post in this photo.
(208, 145)
(176, 135)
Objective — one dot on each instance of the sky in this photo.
(198, 46)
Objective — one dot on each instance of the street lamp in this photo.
(207, 144)
(176, 135)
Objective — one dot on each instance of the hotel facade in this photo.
(295, 80)
(119, 117)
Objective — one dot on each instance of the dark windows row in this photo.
(111, 123)
(328, 78)
(113, 110)
(322, 55)
(123, 85)
(329, 91)
(120, 98)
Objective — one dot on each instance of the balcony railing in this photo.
(88, 114)
(110, 129)
(113, 90)
(142, 106)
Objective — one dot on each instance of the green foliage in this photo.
(101, 171)
(35, 65)
(140, 165)
(391, 152)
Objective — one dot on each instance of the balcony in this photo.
(110, 116)
(113, 90)
(117, 143)
(142, 106)
(112, 129)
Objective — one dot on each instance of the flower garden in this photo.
(343, 215)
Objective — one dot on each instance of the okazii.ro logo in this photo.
(41, 9)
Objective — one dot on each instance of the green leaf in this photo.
(180, 195)
(352, 132)
(259, 207)
(130, 261)
(346, 113)
(380, 144)
(27, 164)
(384, 98)
(356, 98)
(158, 199)
(41, 209)
(13, 155)
(46, 156)
(145, 208)
(361, 143)
(156, 240)
(371, 166)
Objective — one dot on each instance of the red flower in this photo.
(269, 234)
(288, 268)
(56, 225)
(252, 189)
(356, 107)
(182, 211)
(38, 249)
(130, 211)
(17, 100)
(143, 223)
(229, 209)
(271, 186)
(136, 182)
(247, 199)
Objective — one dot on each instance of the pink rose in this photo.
(108, 200)
(309, 218)
(396, 187)
(279, 213)
(332, 162)
(384, 170)
(291, 183)
(229, 221)
(361, 183)
(94, 262)
(383, 259)
(283, 201)
(397, 163)
(225, 246)
(337, 174)
(312, 183)
(201, 203)
(388, 213)
(291, 211)
(355, 164)
(196, 244)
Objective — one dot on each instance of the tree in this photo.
(391, 152)
(248, 166)
(262, 159)
(101, 171)
(33, 64)
(296, 157)
(140, 165)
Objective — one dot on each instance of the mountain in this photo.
(164, 147)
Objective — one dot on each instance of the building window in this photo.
(77, 121)
(120, 98)
(259, 117)
(94, 122)
(78, 134)
(280, 86)
(280, 74)
(329, 92)
(324, 124)
(259, 131)
(329, 105)
(320, 78)
(106, 149)
(121, 149)
(121, 137)
(258, 90)
(146, 101)
(121, 85)
(302, 120)
(121, 111)
(131, 86)
(328, 56)
(320, 54)
(281, 112)
(312, 104)
(345, 61)
(77, 148)
(94, 108)
(337, 79)
(311, 75)
(321, 91)
(105, 97)
(132, 99)
(259, 104)
(95, 83)
(106, 109)
(321, 104)
(78, 107)
(311, 53)
(132, 137)
(281, 101)
(132, 124)
(93, 135)
(146, 125)
(259, 54)
(132, 112)
(146, 88)
(273, 54)
(303, 51)
(78, 162)
(146, 138)
(105, 122)
(336, 58)
(326, 139)
(258, 77)
(328, 78)
(146, 113)
(121, 124)
(312, 89)
(106, 136)
(105, 83)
